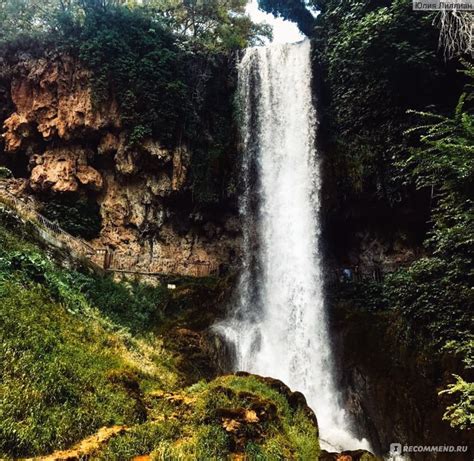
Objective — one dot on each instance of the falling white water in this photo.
(278, 327)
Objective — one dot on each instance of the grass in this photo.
(69, 360)
(55, 368)
(80, 351)
(190, 425)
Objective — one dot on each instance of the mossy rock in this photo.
(232, 417)
(349, 455)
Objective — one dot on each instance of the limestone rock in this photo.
(64, 170)
(109, 143)
(53, 98)
(144, 193)
(181, 159)
(154, 149)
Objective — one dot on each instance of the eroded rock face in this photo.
(381, 374)
(147, 231)
(53, 99)
(74, 146)
(64, 170)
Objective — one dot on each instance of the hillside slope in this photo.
(74, 365)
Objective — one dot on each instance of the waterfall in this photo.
(278, 326)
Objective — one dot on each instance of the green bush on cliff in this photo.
(379, 60)
(435, 293)
(433, 296)
(461, 413)
(436, 290)
(143, 69)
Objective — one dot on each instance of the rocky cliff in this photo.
(390, 383)
(64, 144)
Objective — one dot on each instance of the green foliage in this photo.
(80, 218)
(17, 16)
(143, 69)
(215, 25)
(435, 293)
(461, 414)
(375, 58)
(434, 297)
(445, 163)
(438, 288)
(463, 348)
(134, 305)
(293, 10)
(366, 295)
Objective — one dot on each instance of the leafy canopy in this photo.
(216, 25)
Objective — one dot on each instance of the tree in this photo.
(292, 10)
(445, 163)
(212, 24)
(24, 15)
